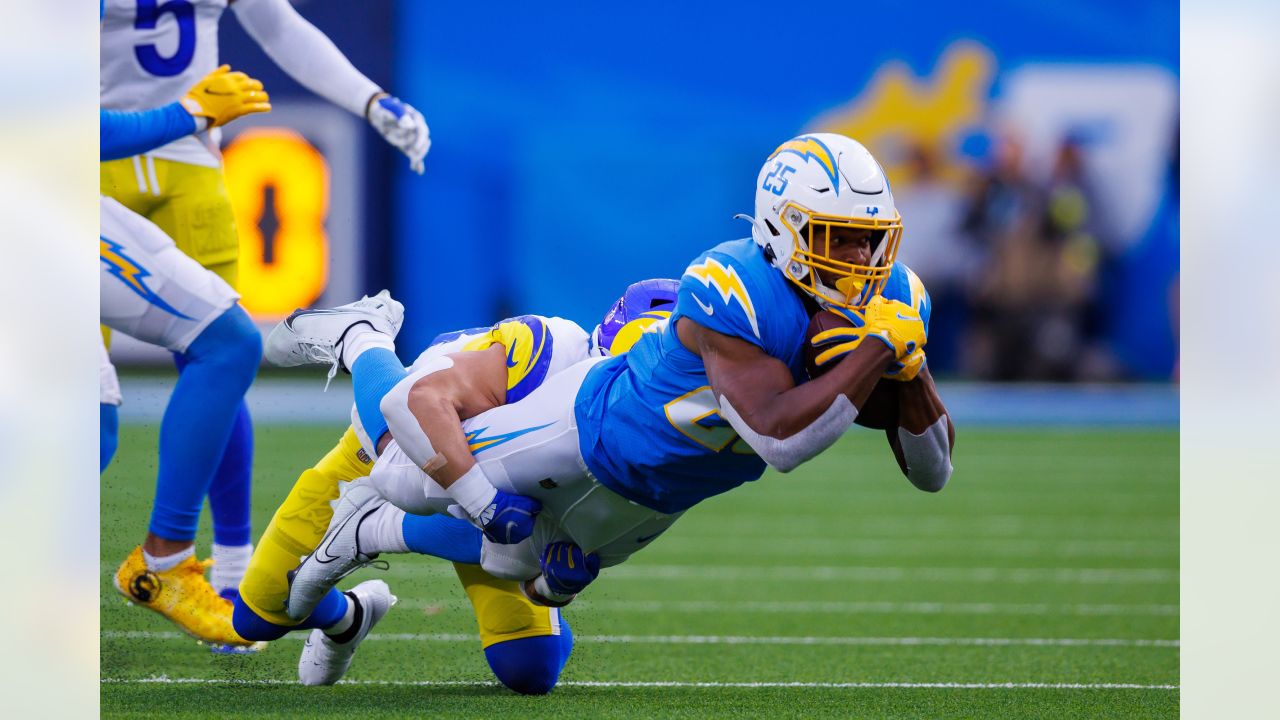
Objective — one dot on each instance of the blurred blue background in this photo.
(578, 148)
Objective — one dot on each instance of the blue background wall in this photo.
(579, 147)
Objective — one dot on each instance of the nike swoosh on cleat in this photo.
(323, 556)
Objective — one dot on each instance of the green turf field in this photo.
(1043, 582)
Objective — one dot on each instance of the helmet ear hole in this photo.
(772, 229)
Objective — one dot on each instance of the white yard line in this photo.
(165, 680)
(1090, 576)
(724, 639)
(860, 607)
(867, 547)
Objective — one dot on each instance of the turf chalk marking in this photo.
(723, 640)
(164, 680)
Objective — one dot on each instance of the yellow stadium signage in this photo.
(279, 183)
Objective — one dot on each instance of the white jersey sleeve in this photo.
(307, 54)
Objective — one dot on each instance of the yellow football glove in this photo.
(894, 323)
(222, 96)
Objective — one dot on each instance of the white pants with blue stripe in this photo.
(531, 448)
(151, 290)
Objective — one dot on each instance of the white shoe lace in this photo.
(322, 354)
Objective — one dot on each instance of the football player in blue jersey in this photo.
(525, 644)
(603, 457)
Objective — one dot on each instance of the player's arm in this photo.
(311, 58)
(786, 424)
(125, 133)
(424, 413)
(924, 436)
(219, 97)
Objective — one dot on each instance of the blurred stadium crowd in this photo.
(1023, 263)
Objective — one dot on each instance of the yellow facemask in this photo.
(855, 284)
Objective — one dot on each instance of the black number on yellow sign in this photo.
(279, 188)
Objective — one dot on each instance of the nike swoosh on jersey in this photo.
(646, 538)
(706, 308)
(511, 354)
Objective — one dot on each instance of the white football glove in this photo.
(402, 126)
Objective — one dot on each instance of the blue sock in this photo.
(252, 626)
(232, 483)
(221, 364)
(108, 434)
(532, 665)
(373, 374)
(442, 536)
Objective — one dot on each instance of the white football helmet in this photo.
(809, 185)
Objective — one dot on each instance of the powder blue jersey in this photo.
(649, 424)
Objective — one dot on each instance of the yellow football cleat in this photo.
(183, 595)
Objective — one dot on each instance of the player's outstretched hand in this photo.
(402, 126)
(509, 518)
(568, 570)
(223, 95)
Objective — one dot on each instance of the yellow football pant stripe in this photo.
(188, 202)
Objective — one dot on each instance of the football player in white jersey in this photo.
(152, 51)
(155, 293)
(525, 644)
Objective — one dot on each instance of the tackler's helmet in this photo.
(643, 304)
(808, 186)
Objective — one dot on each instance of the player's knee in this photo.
(529, 666)
(232, 343)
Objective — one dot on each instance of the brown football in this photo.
(880, 409)
(821, 320)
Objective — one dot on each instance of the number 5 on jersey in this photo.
(149, 14)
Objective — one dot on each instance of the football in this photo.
(880, 409)
(821, 321)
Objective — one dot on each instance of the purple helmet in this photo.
(643, 304)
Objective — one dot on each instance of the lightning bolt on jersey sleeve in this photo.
(307, 54)
(732, 290)
(122, 134)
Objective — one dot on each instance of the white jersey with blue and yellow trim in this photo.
(152, 52)
(537, 347)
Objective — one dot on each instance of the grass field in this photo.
(1042, 583)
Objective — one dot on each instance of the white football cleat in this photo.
(314, 337)
(338, 554)
(323, 661)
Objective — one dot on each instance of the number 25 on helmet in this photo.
(814, 192)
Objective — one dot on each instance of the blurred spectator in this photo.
(1035, 304)
(935, 249)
